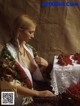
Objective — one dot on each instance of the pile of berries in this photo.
(64, 59)
(75, 90)
(77, 58)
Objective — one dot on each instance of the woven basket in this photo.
(46, 99)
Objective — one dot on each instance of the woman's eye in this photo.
(30, 32)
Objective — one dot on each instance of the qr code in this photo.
(7, 98)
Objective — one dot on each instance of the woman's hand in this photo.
(41, 61)
(32, 68)
(46, 93)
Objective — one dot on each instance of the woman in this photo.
(19, 60)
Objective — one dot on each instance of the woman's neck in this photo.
(20, 43)
(21, 48)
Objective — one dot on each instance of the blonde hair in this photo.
(24, 22)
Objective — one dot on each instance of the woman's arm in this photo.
(29, 92)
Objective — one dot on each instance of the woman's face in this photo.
(27, 35)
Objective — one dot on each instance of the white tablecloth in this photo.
(63, 76)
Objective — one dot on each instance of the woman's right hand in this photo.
(46, 93)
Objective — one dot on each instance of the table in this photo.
(63, 76)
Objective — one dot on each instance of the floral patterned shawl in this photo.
(10, 69)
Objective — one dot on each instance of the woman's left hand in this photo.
(41, 61)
